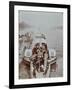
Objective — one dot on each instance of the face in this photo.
(37, 45)
(44, 46)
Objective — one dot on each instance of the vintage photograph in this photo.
(40, 39)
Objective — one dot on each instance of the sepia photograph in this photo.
(40, 44)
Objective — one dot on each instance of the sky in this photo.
(48, 23)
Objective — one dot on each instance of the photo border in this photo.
(11, 43)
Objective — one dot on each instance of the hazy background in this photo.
(48, 23)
